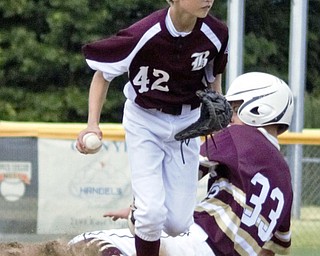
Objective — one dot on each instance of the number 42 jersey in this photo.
(164, 67)
(248, 205)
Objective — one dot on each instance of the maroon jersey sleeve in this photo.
(221, 31)
(121, 45)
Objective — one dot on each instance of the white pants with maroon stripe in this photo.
(164, 171)
(189, 244)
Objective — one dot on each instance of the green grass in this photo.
(305, 233)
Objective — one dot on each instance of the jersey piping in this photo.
(229, 223)
(211, 36)
(114, 68)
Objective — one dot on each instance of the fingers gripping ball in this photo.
(216, 114)
(92, 143)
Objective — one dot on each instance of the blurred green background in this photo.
(44, 77)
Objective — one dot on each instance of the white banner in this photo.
(48, 187)
(75, 190)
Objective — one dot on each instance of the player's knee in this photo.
(150, 221)
(174, 231)
(176, 227)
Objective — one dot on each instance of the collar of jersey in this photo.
(172, 30)
(271, 138)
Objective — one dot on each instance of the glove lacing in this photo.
(206, 142)
(186, 141)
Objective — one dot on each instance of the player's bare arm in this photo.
(118, 214)
(216, 84)
(97, 95)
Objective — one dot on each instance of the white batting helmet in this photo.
(266, 100)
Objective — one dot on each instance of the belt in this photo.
(176, 110)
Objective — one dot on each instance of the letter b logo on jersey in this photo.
(201, 60)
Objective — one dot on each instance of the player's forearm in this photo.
(97, 96)
(216, 84)
(205, 166)
(118, 214)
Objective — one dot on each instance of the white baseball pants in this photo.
(163, 171)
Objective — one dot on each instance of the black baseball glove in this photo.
(215, 114)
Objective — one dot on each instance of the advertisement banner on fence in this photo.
(18, 185)
(75, 190)
(48, 187)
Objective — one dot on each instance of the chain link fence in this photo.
(306, 226)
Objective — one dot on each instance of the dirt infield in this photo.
(51, 248)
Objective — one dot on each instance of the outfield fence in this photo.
(306, 207)
(47, 187)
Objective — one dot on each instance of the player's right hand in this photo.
(80, 145)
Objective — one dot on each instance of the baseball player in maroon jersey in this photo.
(250, 196)
(168, 56)
(247, 209)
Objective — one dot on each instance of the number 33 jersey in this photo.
(165, 67)
(248, 205)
